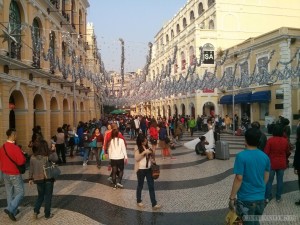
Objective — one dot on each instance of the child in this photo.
(200, 147)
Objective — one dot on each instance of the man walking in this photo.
(251, 169)
(10, 155)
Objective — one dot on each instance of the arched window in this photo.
(175, 66)
(172, 33)
(192, 16)
(15, 25)
(183, 61)
(52, 51)
(178, 29)
(184, 24)
(211, 25)
(73, 14)
(200, 8)
(63, 51)
(35, 43)
(210, 2)
(80, 22)
(192, 56)
(167, 38)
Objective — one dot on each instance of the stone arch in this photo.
(54, 115)
(39, 111)
(169, 111)
(182, 107)
(81, 110)
(208, 108)
(163, 111)
(175, 110)
(192, 109)
(66, 111)
(158, 111)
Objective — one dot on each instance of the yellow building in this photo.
(198, 33)
(46, 78)
(266, 76)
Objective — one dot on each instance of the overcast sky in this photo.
(135, 21)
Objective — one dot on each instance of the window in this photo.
(200, 8)
(244, 69)
(278, 106)
(192, 56)
(279, 94)
(183, 61)
(15, 25)
(262, 64)
(167, 38)
(211, 25)
(178, 29)
(35, 43)
(210, 2)
(172, 34)
(228, 75)
(52, 51)
(192, 16)
(80, 22)
(175, 66)
(184, 24)
(63, 51)
(263, 110)
(73, 14)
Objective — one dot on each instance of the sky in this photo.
(135, 21)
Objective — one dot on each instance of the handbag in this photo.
(155, 171)
(232, 218)
(51, 170)
(153, 141)
(21, 168)
(93, 143)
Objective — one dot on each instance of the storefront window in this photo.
(263, 110)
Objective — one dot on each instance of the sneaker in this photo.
(49, 217)
(110, 179)
(84, 164)
(140, 204)
(156, 206)
(115, 187)
(10, 215)
(119, 185)
(267, 201)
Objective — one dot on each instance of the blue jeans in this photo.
(14, 187)
(279, 186)
(86, 153)
(250, 208)
(141, 174)
(45, 191)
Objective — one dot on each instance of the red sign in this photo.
(206, 90)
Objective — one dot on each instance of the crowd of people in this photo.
(255, 167)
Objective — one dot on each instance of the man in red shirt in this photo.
(13, 181)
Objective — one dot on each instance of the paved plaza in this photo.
(192, 190)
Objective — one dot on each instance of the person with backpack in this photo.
(164, 142)
(86, 138)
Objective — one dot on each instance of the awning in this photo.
(261, 97)
(242, 98)
(226, 99)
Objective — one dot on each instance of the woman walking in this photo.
(99, 140)
(143, 156)
(118, 157)
(277, 148)
(60, 145)
(36, 175)
(164, 142)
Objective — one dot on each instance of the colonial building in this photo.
(270, 63)
(47, 75)
(198, 34)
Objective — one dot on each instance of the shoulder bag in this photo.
(22, 168)
(51, 170)
(155, 170)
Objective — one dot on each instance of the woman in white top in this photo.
(143, 158)
(118, 157)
